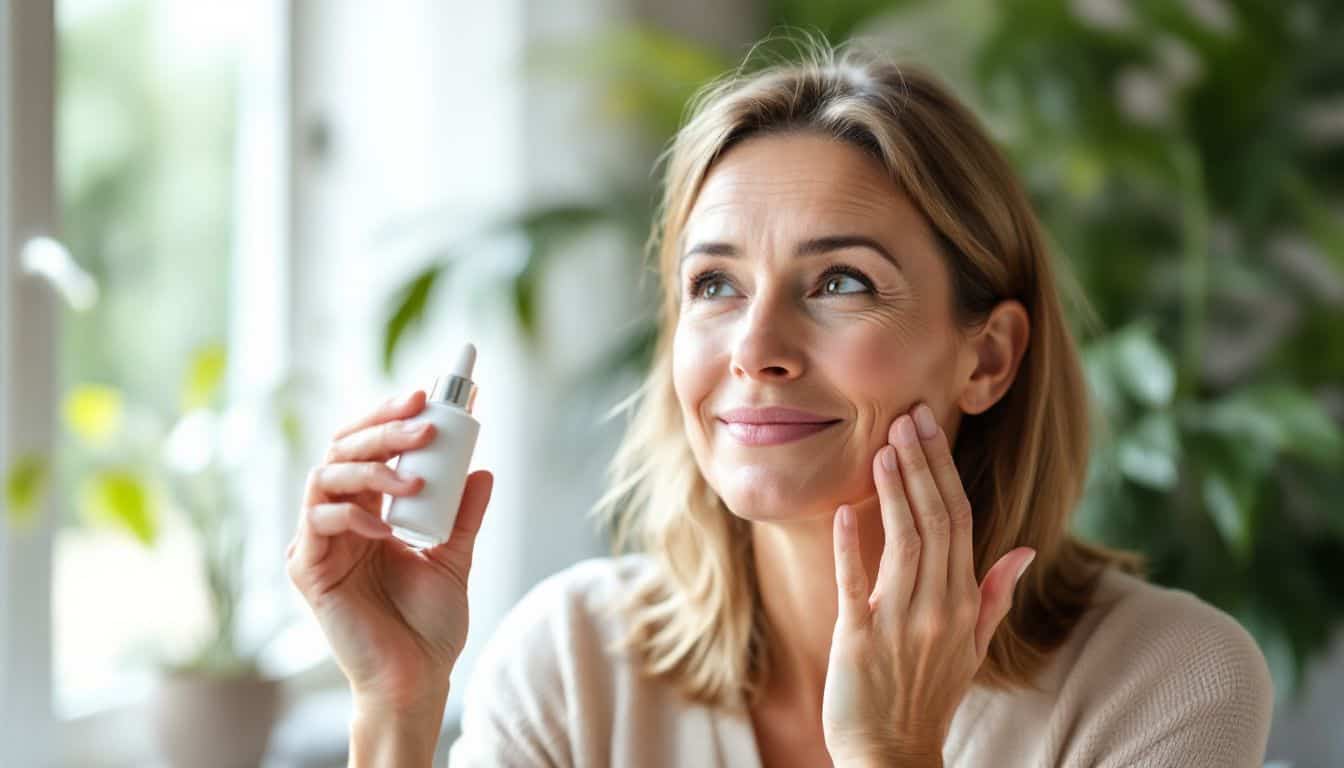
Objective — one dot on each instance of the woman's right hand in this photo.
(396, 617)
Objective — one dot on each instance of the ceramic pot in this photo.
(209, 721)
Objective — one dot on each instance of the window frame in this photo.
(28, 328)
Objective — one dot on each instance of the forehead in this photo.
(797, 181)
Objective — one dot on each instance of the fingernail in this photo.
(905, 431)
(1023, 569)
(412, 427)
(928, 427)
(847, 518)
(889, 458)
(407, 479)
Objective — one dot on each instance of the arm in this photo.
(381, 737)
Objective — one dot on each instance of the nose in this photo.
(767, 346)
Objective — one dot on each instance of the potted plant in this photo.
(133, 466)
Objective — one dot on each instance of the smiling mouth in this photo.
(774, 433)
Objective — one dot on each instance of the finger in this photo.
(308, 547)
(929, 513)
(381, 441)
(850, 579)
(395, 408)
(456, 551)
(349, 478)
(996, 595)
(343, 517)
(902, 547)
(320, 522)
(960, 552)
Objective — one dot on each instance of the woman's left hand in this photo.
(903, 656)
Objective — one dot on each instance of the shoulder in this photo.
(577, 602)
(554, 654)
(1158, 674)
(570, 611)
(1152, 627)
(586, 586)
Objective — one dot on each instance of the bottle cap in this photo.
(457, 388)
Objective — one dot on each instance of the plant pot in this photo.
(212, 721)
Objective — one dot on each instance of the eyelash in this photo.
(703, 278)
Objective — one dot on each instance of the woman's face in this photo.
(808, 282)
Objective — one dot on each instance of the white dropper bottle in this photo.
(426, 519)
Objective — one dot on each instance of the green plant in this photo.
(134, 465)
(1182, 159)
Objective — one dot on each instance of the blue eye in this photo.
(840, 280)
(710, 284)
(834, 284)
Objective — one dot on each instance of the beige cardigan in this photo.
(1150, 677)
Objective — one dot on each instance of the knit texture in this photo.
(1150, 677)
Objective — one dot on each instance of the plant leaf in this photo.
(1280, 418)
(25, 483)
(1145, 367)
(1232, 473)
(1227, 512)
(205, 375)
(120, 498)
(524, 294)
(1304, 427)
(1320, 222)
(547, 226)
(93, 413)
(409, 312)
(1150, 452)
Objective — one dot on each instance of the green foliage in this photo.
(129, 478)
(205, 376)
(145, 167)
(1169, 152)
(120, 498)
(1166, 156)
(545, 231)
(410, 311)
(25, 484)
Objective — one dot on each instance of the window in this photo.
(176, 168)
(147, 129)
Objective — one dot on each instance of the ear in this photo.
(993, 352)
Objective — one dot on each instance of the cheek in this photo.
(874, 365)
(693, 360)
(883, 372)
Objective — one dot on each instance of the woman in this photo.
(865, 419)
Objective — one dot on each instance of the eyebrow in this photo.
(812, 247)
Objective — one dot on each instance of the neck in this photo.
(795, 568)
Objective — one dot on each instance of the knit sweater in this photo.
(1149, 676)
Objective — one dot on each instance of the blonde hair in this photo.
(697, 622)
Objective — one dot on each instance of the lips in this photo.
(773, 425)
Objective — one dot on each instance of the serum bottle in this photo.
(426, 519)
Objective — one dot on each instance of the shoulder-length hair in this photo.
(697, 622)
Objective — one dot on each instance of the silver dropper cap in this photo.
(457, 388)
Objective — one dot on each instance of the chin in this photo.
(770, 494)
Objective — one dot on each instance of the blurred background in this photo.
(229, 228)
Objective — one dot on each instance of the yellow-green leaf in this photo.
(292, 429)
(25, 482)
(93, 412)
(205, 375)
(122, 499)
